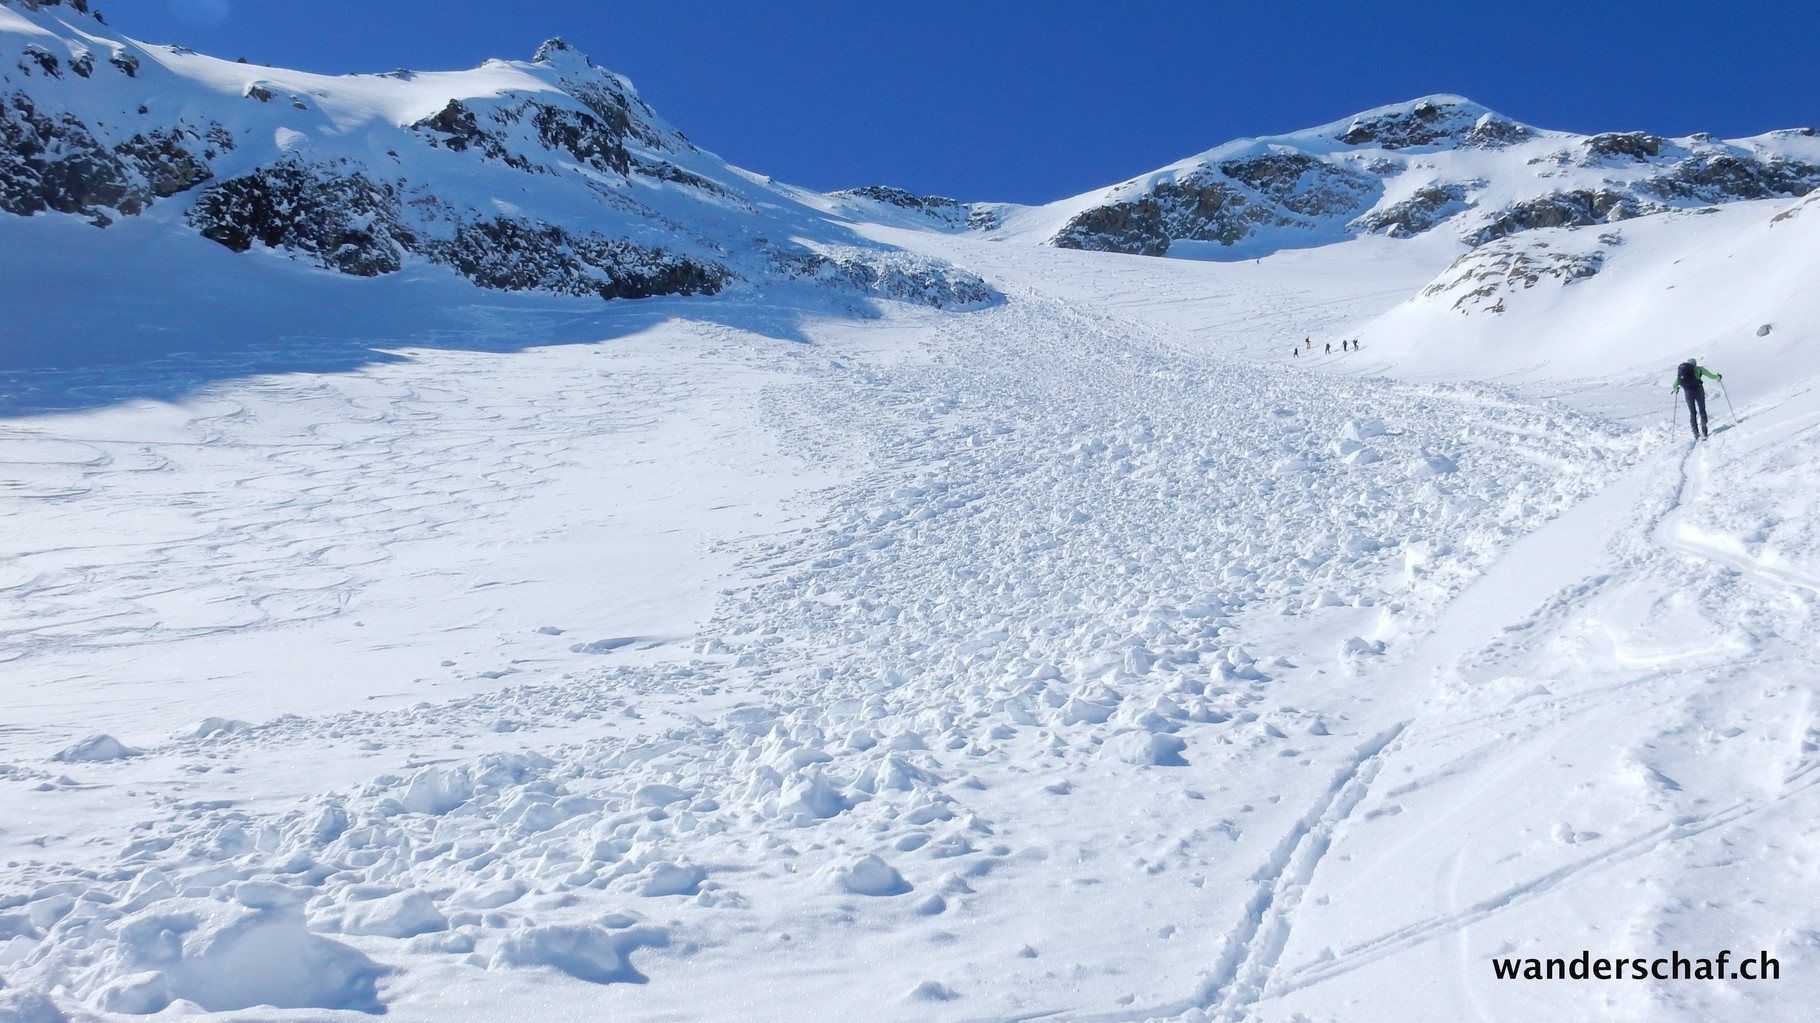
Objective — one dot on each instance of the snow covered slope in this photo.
(1084, 656)
(549, 176)
(1732, 283)
(1439, 163)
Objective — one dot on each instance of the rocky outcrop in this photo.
(937, 207)
(1483, 279)
(1579, 208)
(1225, 205)
(1134, 227)
(338, 218)
(1429, 123)
(1632, 146)
(547, 176)
(509, 254)
(55, 162)
(899, 276)
(1428, 206)
(1715, 177)
(585, 138)
(1326, 183)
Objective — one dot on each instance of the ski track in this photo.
(1142, 521)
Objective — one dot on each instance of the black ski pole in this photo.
(1726, 393)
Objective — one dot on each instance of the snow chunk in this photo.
(1360, 429)
(1431, 465)
(870, 875)
(930, 991)
(96, 749)
(666, 878)
(225, 956)
(583, 951)
(29, 1007)
(661, 795)
(403, 915)
(208, 728)
(1146, 749)
(1359, 647)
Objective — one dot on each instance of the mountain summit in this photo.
(548, 175)
(1410, 168)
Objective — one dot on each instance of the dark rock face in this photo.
(1224, 205)
(903, 199)
(343, 221)
(1577, 208)
(592, 138)
(1724, 177)
(1134, 228)
(1493, 132)
(1302, 184)
(937, 209)
(592, 142)
(1205, 208)
(56, 163)
(1428, 124)
(1420, 212)
(509, 254)
(895, 276)
(1633, 146)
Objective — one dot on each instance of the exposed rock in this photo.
(1423, 124)
(1134, 227)
(936, 208)
(1714, 177)
(591, 141)
(1486, 276)
(43, 59)
(895, 275)
(1629, 145)
(1564, 209)
(510, 254)
(53, 162)
(1493, 131)
(1302, 184)
(1224, 205)
(164, 160)
(1428, 206)
(343, 220)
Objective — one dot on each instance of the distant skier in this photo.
(1330, 348)
(1687, 381)
(1297, 352)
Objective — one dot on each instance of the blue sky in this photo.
(1027, 102)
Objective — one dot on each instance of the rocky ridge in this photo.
(550, 175)
(1438, 163)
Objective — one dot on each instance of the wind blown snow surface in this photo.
(1085, 656)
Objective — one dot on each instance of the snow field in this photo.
(1079, 666)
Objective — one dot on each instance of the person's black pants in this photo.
(1696, 410)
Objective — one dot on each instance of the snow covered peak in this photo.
(1438, 120)
(557, 53)
(548, 175)
(1407, 169)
